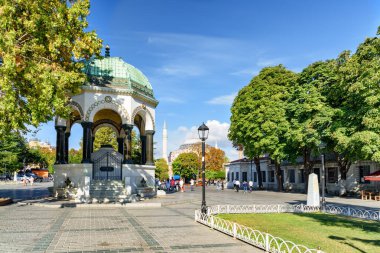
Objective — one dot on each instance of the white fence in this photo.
(264, 240)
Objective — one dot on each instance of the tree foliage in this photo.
(336, 101)
(13, 152)
(105, 136)
(162, 169)
(214, 158)
(42, 44)
(259, 115)
(186, 165)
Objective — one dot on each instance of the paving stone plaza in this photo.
(47, 227)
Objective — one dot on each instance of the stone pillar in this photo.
(149, 147)
(87, 141)
(143, 149)
(60, 147)
(67, 135)
(92, 144)
(128, 151)
(120, 145)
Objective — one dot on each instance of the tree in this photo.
(105, 136)
(355, 132)
(238, 129)
(214, 159)
(162, 169)
(186, 165)
(75, 156)
(310, 113)
(42, 45)
(259, 119)
(13, 152)
(136, 148)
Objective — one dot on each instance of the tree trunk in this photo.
(279, 177)
(258, 170)
(343, 165)
(307, 165)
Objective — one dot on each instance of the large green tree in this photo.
(310, 113)
(261, 124)
(186, 165)
(42, 44)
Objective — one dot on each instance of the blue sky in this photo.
(197, 54)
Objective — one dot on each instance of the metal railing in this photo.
(266, 241)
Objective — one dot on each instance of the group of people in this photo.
(174, 185)
(246, 186)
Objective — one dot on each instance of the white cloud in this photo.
(223, 100)
(217, 134)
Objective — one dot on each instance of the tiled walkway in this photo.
(115, 228)
(171, 228)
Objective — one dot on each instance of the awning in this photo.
(373, 176)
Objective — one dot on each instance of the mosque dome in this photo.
(114, 72)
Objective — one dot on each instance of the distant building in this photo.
(36, 143)
(293, 176)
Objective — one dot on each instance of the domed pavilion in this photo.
(119, 96)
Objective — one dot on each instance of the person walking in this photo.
(181, 185)
(237, 183)
(250, 184)
(222, 185)
(192, 184)
(172, 184)
(167, 184)
(245, 186)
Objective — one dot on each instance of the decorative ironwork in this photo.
(107, 167)
(267, 241)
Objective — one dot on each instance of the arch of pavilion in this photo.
(119, 96)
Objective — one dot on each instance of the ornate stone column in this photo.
(87, 141)
(149, 147)
(67, 135)
(128, 151)
(143, 149)
(60, 147)
(120, 145)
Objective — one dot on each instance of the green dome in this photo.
(113, 71)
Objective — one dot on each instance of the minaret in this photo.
(165, 142)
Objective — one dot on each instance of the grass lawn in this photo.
(330, 232)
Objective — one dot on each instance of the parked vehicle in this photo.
(5, 177)
(34, 176)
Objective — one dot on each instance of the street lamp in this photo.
(203, 134)
(322, 146)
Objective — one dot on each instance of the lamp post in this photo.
(203, 134)
(322, 146)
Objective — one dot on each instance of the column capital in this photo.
(60, 128)
(149, 132)
(127, 127)
(87, 124)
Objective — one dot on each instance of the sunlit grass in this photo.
(330, 232)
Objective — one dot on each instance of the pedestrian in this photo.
(192, 184)
(181, 185)
(24, 182)
(245, 186)
(234, 182)
(250, 184)
(222, 185)
(172, 184)
(167, 184)
(31, 181)
(237, 185)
